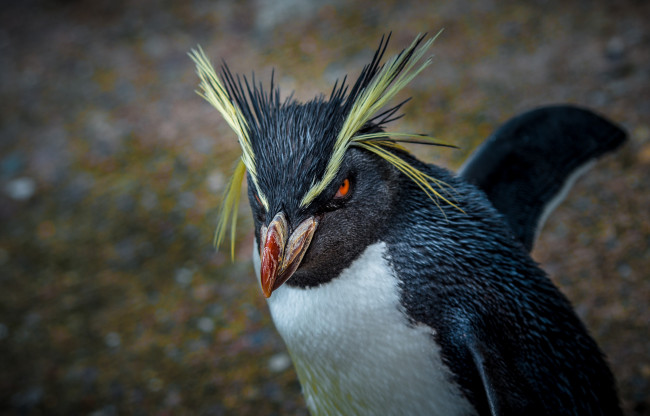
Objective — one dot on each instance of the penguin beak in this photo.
(281, 256)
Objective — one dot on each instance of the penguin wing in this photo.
(528, 165)
(503, 392)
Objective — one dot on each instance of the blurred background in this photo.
(112, 297)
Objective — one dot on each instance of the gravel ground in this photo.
(112, 298)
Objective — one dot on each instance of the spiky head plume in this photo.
(293, 151)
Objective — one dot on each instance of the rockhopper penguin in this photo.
(398, 287)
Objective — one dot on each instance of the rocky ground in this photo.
(112, 297)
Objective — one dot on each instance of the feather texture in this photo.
(391, 78)
(317, 134)
(216, 94)
(230, 208)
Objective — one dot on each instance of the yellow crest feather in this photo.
(213, 91)
(230, 207)
(424, 181)
(216, 94)
(391, 79)
(388, 81)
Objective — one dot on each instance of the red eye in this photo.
(257, 198)
(343, 189)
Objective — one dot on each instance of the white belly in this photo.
(354, 350)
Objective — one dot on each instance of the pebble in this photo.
(21, 189)
(205, 324)
(279, 362)
(113, 340)
(183, 276)
(155, 384)
(216, 181)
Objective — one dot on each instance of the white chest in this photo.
(354, 350)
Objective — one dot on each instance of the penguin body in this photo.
(504, 329)
(363, 356)
(466, 319)
(397, 286)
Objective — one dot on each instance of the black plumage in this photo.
(286, 131)
(510, 337)
(529, 160)
(454, 248)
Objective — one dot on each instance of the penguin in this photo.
(399, 287)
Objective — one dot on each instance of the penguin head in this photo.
(331, 231)
(321, 175)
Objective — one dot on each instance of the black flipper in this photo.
(502, 393)
(528, 165)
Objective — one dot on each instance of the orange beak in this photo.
(281, 258)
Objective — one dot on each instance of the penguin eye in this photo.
(343, 190)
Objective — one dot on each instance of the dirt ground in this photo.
(112, 297)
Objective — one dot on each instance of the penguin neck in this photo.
(355, 350)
